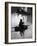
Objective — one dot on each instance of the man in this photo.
(21, 27)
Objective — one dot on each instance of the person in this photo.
(21, 26)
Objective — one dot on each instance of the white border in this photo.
(9, 24)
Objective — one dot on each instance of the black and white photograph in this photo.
(21, 22)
